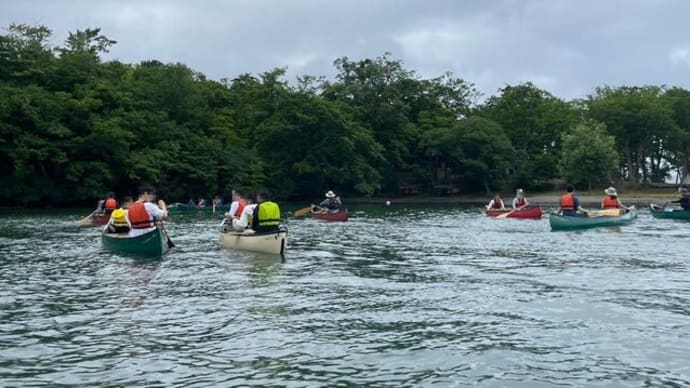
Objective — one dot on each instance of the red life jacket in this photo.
(567, 202)
(521, 202)
(610, 202)
(138, 216)
(240, 207)
(497, 204)
(110, 204)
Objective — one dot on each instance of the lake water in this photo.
(399, 296)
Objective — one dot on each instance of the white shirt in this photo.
(248, 211)
(155, 213)
(233, 207)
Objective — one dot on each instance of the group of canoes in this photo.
(250, 223)
(571, 215)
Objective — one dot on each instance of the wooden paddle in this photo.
(302, 212)
(604, 213)
(165, 232)
(86, 220)
(504, 215)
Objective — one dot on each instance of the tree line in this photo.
(74, 126)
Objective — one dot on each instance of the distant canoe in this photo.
(667, 213)
(530, 212)
(271, 242)
(153, 243)
(182, 208)
(559, 222)
(95, 219)
(341, 215)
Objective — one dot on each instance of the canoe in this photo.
(341, 215)
(153, 243)
(182, 208)
(559, 222)
(95, 219)
(669, 213)
(530, 212)
(271, 242)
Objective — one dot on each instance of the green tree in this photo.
(589, 154)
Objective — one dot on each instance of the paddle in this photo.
(87, 220)
(165, 232)
(302, 212)
(504, 215)
(604, 213)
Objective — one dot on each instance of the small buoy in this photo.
(388, 203)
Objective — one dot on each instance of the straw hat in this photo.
(611, 191)
(330, 194)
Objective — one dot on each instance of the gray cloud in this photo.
(567, 47)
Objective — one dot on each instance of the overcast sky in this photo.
(566, 47)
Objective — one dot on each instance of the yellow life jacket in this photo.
(119, 217)
(269, 215)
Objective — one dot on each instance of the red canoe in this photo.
(95, 219)
(339, 216)
(530, 212)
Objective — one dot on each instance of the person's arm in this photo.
(233, 209)
(490, 205)
(340, 203)
(503, 205)
(620, 205)
(164, 209)
(526, 203)
(323, 203)
(577, 205)
(602, 203)
(515, 201)
(255, 217)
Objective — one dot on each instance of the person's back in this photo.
(143, 213)
(610, 202)
(569, 203)
(118, 222)
(331, 203)
(266, 215)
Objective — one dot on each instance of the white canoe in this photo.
(273, 242)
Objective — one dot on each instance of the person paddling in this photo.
(684, 200)
(520, 201)
(611, 200)
(266, 216)
(496, 203)
(237, 205)
(332, 203)
(570, 204)
(143, 213)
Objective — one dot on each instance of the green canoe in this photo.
(559, 222)
(153, 243)
(669, 213)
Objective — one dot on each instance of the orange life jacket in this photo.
(521, 202)
(110, 204)
(138, 216)
(240, 208)
(610, 202)
(567, 202)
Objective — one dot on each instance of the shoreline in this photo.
(544, 199)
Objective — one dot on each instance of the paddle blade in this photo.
(302, 212)
(604, 213)
(506, 214)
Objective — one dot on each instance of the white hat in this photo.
(330, 194)
(611, 191)
(520, 191)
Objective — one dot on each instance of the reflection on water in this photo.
(399, 296)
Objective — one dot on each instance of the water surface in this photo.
(398, 296)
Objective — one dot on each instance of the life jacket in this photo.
(268, 216)
(567, 202)
(110, 204)
(610, 202)
(120, 218)
(497, 204)
(240, 207)
(521, 201)
(138, 216)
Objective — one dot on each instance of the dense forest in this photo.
(74, 126)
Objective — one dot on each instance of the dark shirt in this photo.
(332, 204)
(684, 203)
